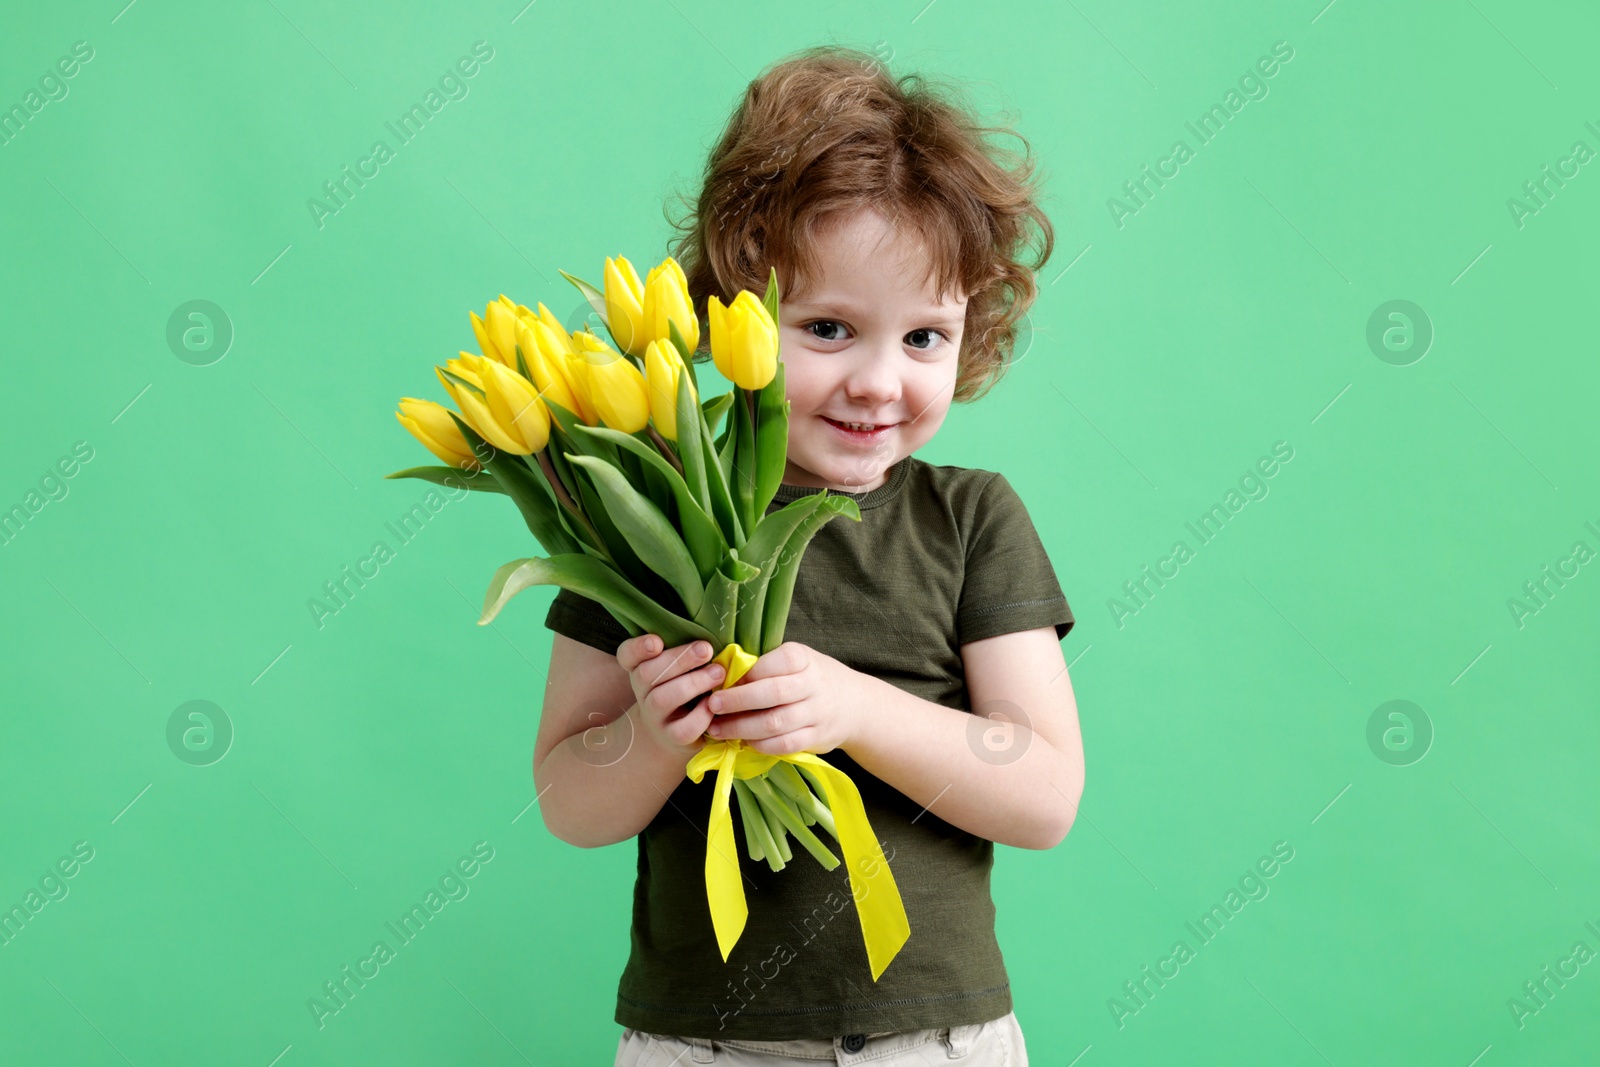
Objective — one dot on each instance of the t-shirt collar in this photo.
(870, 499)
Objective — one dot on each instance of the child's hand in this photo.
(795, 699)
(664, 682)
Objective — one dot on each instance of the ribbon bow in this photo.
(884, 926)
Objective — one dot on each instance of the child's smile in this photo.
(870, 356)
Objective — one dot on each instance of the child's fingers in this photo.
(762, 693)
(635, 650)
(673, 694)
(688, 729)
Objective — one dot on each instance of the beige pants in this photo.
(997, 1043)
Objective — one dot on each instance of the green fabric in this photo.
(942, 556)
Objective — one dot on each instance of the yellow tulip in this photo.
(431, 424)
(625, 306)
(666, 299)
(547, 364)
(612, 384)
(481, 332)
(555, 327)
(464, 366)
(561, 360)
(662, 369)
(500, 322)
(474, 404)
(744, 340)
(515, 406)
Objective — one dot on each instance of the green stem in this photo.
(749, 815)
(786, 778)
(780, 836)
(571, 505)
(791, 819)
(664, 448)
(756, 825)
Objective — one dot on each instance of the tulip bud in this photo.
(666, 299)
(625, 306)
(515, 406)
(548, 364)
(500, 323)
(472, 400)
(744, 340)
(556, 328)
(564, 360)
(431, 424)
(615, 387)
(662, 368)
(481, 332)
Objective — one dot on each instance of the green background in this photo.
(1229, 713)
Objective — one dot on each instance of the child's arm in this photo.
(1017, 785)
(601, 773)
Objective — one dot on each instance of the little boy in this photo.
(922, 654)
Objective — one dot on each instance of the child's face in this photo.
(868, 343)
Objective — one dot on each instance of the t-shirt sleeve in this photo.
(1009, 583)
(582, 619)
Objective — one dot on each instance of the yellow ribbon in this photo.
(884, 926)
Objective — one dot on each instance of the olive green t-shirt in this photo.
(942, 556)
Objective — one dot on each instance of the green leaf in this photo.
(462, 381)
(648, 531)
(688, 416)
(780, 591)
(700, 532)
(682, 346)
(452, 477)
(567, 423)
(719, 610)
(618, 551)
(538, 505)
(722, 505)
(715, 408)
(771, 300)
(772, 441)
(771, 535)
(596, 580)
(596, 297)
(742, 473)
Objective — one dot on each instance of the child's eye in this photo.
(914, 335)
(825, 324)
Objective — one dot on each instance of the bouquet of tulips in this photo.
(620, 474)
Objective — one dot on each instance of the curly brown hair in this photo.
(829, 131)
